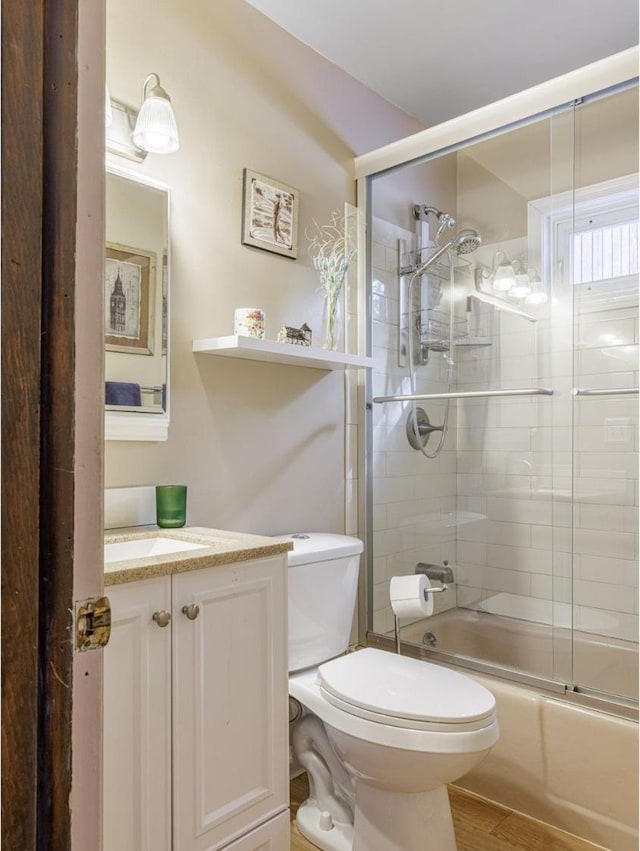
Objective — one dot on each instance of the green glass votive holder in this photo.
(171, 506)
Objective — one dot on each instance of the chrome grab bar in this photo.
(472, 394)
(612, 391)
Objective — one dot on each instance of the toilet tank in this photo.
(323, 582)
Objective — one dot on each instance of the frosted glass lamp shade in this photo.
(504, 278)
(538, 294)
(522, 286)
(156, 130)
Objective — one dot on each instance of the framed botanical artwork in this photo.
(129, 276)
(270, 214)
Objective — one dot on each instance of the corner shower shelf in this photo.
(249, 348)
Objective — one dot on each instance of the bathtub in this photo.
(604, 664)
(572, 767)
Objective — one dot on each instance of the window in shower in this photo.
(605, 253)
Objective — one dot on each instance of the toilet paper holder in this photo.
(426, 591)
(435, 590)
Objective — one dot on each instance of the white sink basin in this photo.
(147, 547)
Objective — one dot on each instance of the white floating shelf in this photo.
(250, 348)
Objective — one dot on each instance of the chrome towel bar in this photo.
(611, 391)
(472, 394)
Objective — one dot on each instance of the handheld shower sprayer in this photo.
(419, 427)
(463, 243)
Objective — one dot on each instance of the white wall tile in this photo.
(416, 511)
(520, 510)
(541, 586)
(617, 518)
(392, 490)
(592, 361)
(600, 543)
(470, 574)
(614, 571)
(519, 558)
(510, 581)
(470, 597)
(599, 595)
(379, 569)
(606, 491)
(541, 537)
(471, 552)
(478, 532)
(562, 588)
(602, 331)
(381, 595)
(435, 486)
(379, 517)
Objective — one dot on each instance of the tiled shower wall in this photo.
(533, 501)
(414, 499)
(551, 481)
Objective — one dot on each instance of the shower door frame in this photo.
(598, 79)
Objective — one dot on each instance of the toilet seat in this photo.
(304, 686)
(402, 692)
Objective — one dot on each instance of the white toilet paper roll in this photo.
(407, 596)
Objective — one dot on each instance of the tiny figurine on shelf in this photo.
(297, 336)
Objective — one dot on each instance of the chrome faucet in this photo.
(436, 572)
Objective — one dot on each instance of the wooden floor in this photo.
(479, 826)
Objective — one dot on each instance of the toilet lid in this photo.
(385, 685)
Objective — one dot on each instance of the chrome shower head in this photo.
(422, 211)
(466, 241)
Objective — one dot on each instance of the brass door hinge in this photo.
(93, 623)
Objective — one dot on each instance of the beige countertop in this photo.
(220, 547)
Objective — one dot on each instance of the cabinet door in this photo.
(230, 702)
(137, 720)
(275, 835)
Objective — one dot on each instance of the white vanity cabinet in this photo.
(137, 719)
(196, 720)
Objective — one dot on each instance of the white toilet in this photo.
(379, 734)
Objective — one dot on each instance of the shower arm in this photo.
(472, 394)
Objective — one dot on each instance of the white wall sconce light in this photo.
(511, 281)
(156, 130)
(502, 273)
(153, 129)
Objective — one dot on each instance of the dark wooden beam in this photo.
(22, 80)
(58, 423)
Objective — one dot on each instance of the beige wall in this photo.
(432, 183)
(260, 446)
(497, 177)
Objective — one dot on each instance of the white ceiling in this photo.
(440, 58)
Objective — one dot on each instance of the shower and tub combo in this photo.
(501, 429)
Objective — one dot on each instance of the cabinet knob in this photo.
(162, 618)
(191, 611)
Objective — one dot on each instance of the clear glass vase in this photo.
(333, 323)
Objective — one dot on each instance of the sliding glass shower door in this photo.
(528, 502)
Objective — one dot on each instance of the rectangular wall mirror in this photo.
(136, 307)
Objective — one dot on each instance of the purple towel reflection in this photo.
(122, 393)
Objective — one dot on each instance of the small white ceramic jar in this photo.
(249, 322)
